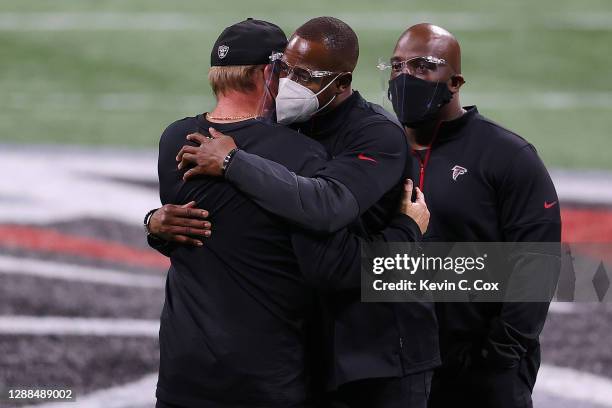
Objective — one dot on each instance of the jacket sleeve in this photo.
(333, 262)
(163, 247)
(529, 213)
(317, 204)
(336, 194)
(320, 204)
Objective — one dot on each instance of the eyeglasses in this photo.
(414, 66)
(300, 74)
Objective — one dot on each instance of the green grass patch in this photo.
(122, 86)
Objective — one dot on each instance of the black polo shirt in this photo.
(234, 322)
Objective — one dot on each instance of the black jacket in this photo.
(484, 183)
(237, 310)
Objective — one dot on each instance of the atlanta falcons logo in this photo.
(458, 171)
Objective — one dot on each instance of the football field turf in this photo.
(116, 72)
(81, 293)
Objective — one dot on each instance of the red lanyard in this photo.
(425, 161)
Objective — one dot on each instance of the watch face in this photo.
(228, 159)
(147, 218)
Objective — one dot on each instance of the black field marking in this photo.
(34, 296)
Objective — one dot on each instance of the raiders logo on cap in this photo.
(222, 51)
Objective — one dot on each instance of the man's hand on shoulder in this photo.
(180, 223)
(207, 158)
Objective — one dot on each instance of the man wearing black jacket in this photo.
(484, 184)
(380, 355)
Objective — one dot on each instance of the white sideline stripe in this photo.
(55, 270)
(139, 102)
(576, 385)
(583, 186)
(77, 184)
(76, 326)
(564, 383)
(562, 307)
(365, 20)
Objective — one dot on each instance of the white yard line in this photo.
(71, 183)
(562, 308)
(76, 326)
(359, 20)
(575, 385)
(70, 272)
(583, 186)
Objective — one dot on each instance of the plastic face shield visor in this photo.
(266, 111)
(312, 79)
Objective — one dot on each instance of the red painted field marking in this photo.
(586, 225)
(48, 240)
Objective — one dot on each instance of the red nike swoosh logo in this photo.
(362, 156)
(549, 205)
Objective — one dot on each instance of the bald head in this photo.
(428, 39)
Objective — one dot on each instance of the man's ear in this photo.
(267, 72)
(456, 82)
(344, 82)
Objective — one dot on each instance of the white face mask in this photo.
(295, 103)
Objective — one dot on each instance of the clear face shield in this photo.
(266, 111)
(416, 88)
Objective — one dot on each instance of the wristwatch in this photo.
(154, 241)
(228, 159)
(147, 220)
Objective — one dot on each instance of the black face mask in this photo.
(416, 101)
